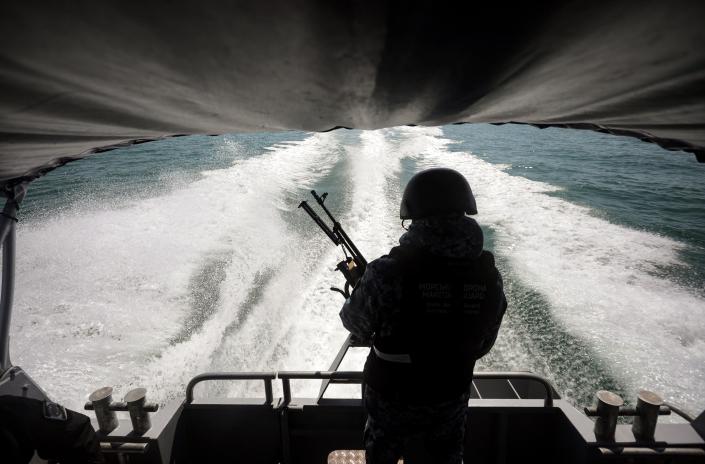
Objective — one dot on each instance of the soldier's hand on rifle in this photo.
(350, 270)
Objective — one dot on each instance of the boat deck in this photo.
(512, 418)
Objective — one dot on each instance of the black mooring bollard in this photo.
(648, 405)
(100, 401)
(139, 409)
(607, 411)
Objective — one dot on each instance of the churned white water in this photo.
(225, 273)
(598, 277)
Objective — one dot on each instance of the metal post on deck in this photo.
(8, 218)
(648, 407)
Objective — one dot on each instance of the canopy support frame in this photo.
(8, 226)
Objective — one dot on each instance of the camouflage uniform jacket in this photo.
(375, 301)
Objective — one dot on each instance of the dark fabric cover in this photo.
(77, 77)
(24, 429)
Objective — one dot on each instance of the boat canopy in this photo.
(82, 77)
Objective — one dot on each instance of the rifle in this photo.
(354, 264)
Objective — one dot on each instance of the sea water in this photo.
(148, 265)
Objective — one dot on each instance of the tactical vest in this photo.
(448, 309)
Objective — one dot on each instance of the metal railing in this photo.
(547, 402)
(339, 377)
(267, 377)
(344, 377)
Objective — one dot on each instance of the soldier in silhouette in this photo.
(429, 309)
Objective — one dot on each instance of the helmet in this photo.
(435, 192)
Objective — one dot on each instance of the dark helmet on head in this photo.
(435, 192)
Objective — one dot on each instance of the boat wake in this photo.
(225, 274)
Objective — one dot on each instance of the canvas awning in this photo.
(80, 77)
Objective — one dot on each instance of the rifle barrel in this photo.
(317, 219)
(337, 234)
(320, 201)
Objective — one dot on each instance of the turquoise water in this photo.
(147, 265)
(625, 181)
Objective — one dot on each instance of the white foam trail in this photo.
(124, 274)
(316, 333)
(375, 169)
(598, 277)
